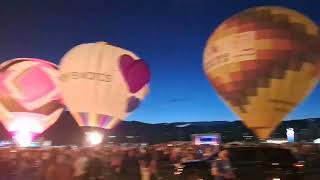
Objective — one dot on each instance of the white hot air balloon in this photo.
(101, 83)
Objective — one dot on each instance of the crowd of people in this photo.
(102, 163)
(99, 163)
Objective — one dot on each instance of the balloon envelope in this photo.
(30, 99)
(262, 63)
(101, 83)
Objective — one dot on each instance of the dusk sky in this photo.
(169, 35)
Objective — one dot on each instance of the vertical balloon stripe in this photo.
(104, 121)
(78, 118)
(107, 126)
(92, 119)
(84, 117)
(99, 119)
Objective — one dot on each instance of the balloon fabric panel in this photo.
(95, 120)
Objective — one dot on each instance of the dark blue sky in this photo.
(169, 34)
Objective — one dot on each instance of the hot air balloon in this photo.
(101, 83)
(262, 63)
(30, 99)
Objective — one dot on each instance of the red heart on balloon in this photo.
(135, 72)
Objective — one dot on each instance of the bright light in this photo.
(298, 165)
(317, 141)
(29, 122)
(94, 138)
(277, 141)
(23, 138)
(290, 134)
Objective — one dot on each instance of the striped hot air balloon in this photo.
(101, 83)
(261, 61)
(30, 99)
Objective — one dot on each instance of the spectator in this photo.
(80, 165)
(221, 167)
(131, 166)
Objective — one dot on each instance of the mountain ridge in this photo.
(66, 131)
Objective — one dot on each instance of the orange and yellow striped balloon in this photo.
(262, 63)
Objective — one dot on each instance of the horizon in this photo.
(300, 119)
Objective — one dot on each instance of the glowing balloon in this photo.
(102, 83)
(30, 100)
(94, 138)
(262, 63)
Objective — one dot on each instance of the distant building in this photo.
(209, 139)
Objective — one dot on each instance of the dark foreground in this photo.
(167, 162)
